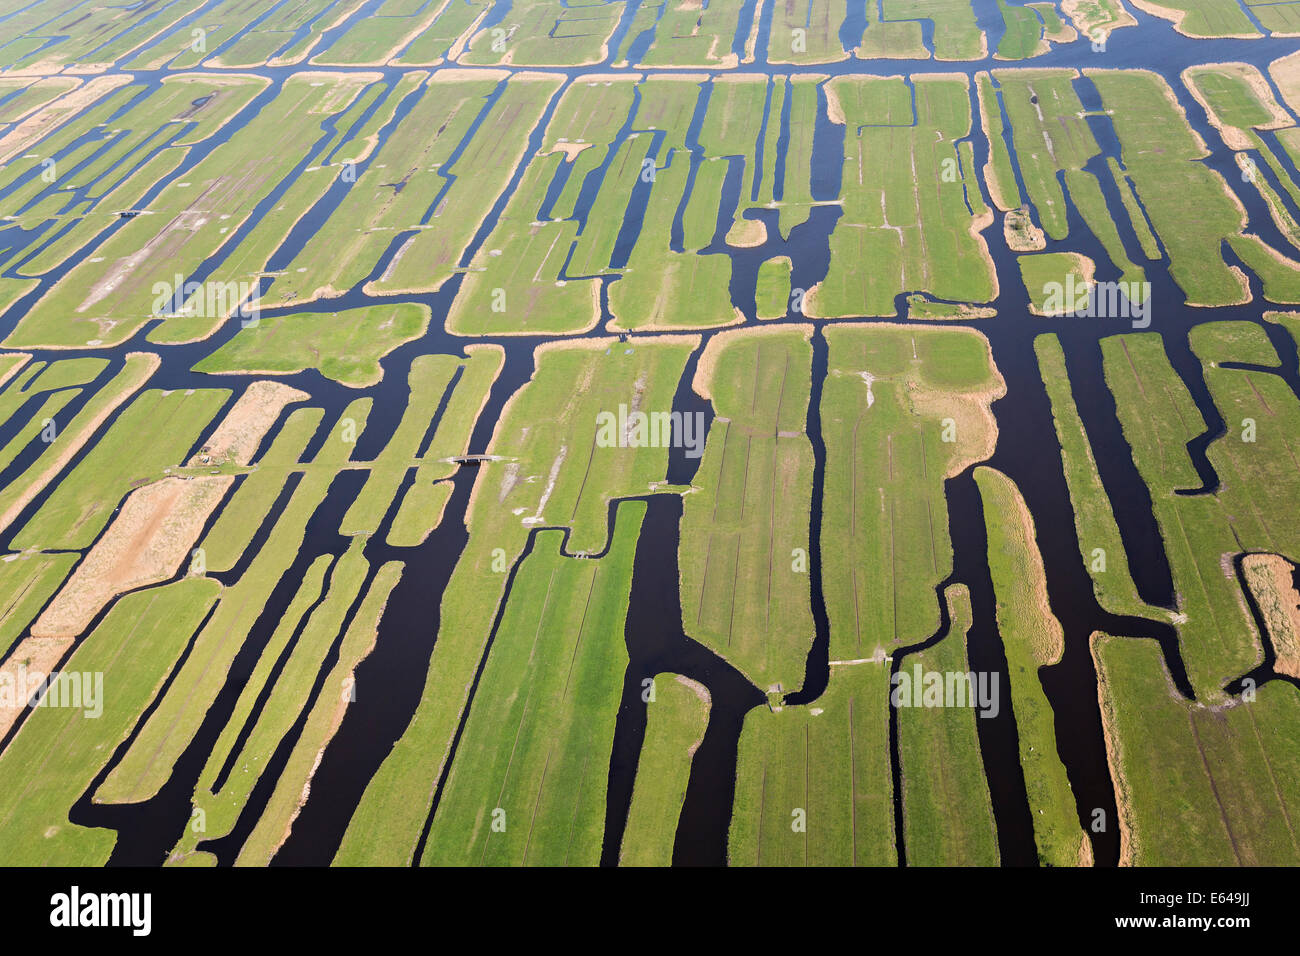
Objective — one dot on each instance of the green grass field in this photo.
(1023, 37)
(1198, 786)
(947, 813)
(532, 185)
(1031, 639)
(689, 35)
(1049, 276)
(527, 784)
(547, 33)
(148, 763)
(745, 588)
(1100, 545)
(410, 185)
(118, 462)
(902, 410)
(806, 31)
(552, 474)
(297, 650)
(999, 173)
(904, 200)
(107, 297)
(1052, 137)
(326, 711)
(957, 36)
(344, 346)
(1206, 18)
(1189, 206)
(27, 581)
(58, 751)
(675, 723)
(812, 783)
(1249, 512)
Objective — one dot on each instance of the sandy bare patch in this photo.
(976, 230)
(1114, 753)
(460, 74)
(1078, 13)
(51, 86)
(19, 359)
(234, 79)
(751, 42)
(746, 234)
(1021, 233)
(834, 108)
(1048, 640)
(1285, 71)
(53, 115)
(1233, 137)
(457, 49)
(997, 191)
(681, 339)
(594, 345)
(960, 312)
(976, 427)
(1084, 856)
(1270, 579)
(145, 544)
(70, 448)
(29, 664)
(609, 78)
(702, 693)
(570, 150)
(238, 434)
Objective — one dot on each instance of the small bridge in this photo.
(474, 459)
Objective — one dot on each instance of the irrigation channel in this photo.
(391, 679)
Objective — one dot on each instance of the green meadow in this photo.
(1053, 143)
(527, 784)
(1100, 545)
(551, 473)
(904, 200)
(947, 812)
(812, 782)
(149, 761)
(1031, 639)
(344, 346)
(744, 539)
(676, 718)
(903, 409)
(1197, 785)
(59, 751)
(1250, 510)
